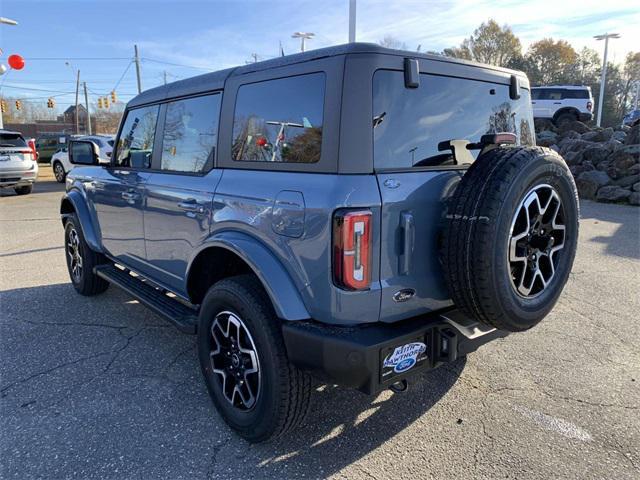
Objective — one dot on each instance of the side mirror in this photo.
(83, 152)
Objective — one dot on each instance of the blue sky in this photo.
(209, 35)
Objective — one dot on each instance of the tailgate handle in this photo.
(407, 225)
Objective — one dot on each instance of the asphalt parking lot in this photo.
(103, 388)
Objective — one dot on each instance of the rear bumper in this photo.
(18, 178)
(585, 117)
(372, 357)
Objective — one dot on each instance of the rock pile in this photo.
(605, 162)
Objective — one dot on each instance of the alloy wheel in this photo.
(75, 257)
(234, 360)
(537, 236)
(58, 171)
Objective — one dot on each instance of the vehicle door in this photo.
(416, 176)
(179, 191)
(117, 192)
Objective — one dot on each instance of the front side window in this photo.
(135, 145)
(280, 120)
(410, 123)
(190, 134)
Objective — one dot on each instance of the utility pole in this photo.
(86, 103)
(603, 78)
(352, 21)
(164, 73)
(136, 59)
(303, 36)
(77, 111)
(255, 57)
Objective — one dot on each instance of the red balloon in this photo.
(16, 62)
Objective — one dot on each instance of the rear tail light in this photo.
(589, 106)
(352, 249)
(32, 147)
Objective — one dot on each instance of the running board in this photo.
(184, 318)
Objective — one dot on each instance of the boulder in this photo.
(619, 135)
(541, 124)
(555, 148)
(613, 194)
(573, 145)
(627, 181)
(612, 171)
(633, 135)
(622, 160)
(612, 144)
(633, 149)
(634, 169)
(636, 187)
(569, 135)
(598, 135)
(574, 125)
(634, 198)
(595, 154)
(576, 170)
(590, 182)
(546, 138)
(572, 158)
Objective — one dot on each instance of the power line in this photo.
(77, 58)
(16, 87)
(147, 59)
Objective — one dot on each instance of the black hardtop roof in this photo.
(216, 80)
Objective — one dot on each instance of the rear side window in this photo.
(135, 145)
(576, 94)
(12, 140)
(280, 120)
(190, 134)
(409, 123)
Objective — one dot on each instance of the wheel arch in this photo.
(233, 253)
(74, 203)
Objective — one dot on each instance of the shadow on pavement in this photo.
(41, 186)
(625, 242)
(53, 322)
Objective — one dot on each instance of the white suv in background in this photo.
(60, 160)
(18, 162)
(562, 103)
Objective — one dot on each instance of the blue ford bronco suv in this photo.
(354, 214)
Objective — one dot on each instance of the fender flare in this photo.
(563, 110)
(285, 297)
(81, 210)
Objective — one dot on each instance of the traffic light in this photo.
(51, 103)
(106, 102)
(18, 105)
(114, 99)
(99, 102)
(3, 106)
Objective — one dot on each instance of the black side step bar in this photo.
(184, 318)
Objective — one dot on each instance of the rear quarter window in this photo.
(12, 140)
(576, 94)
(280, 120)
(408, 124)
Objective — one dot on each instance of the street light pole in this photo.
(303, 36)
(603, 78)
(352, 21)
(136, 59)
(77, 112)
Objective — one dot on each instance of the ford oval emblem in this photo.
(404, 295)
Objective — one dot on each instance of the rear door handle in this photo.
(407, 225)
(191, 206)
(557, 103)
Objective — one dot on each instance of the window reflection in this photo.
(190, 134)
(410, 123)
(280, 120)
(135, 145)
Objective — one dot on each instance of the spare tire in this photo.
(510, 236)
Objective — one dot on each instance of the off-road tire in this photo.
(565, 118)
(285, 391)
(477, 233)
(87, 283)
(24, 190)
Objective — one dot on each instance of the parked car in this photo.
(18, 162)
(562, 103)
(60, 160)
(49, 143)
(632, 118)
(355, 213)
